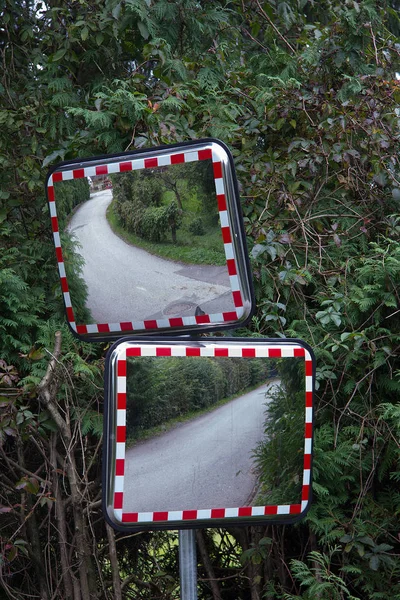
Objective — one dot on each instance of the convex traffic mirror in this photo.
(207, 433)
(150, 241)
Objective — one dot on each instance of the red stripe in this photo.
(64, 284)
(121, 401)
(102, 170)
(50, 193)
(202, 319)
(221, 352)
(70, 314)
(121, 368)
(245, 511)
(78, 173)
(176, 159)
(59, 254)
(130, 517)
(299, 352)
(163, 351)
(121, 433)
(54, 224)
(160, 516)
(125, 166)
(307, 461)
(308, 430)
(204, 154)
(134, 352)
(309, 368)
(81, 329)
(189, 514)
(217, 513)
(57, 176)
(305, 492)
(217, 166)
(248, 352)
(150, 162)
(221, 200)
(229, 316)
(126, 326)
(118, 499)
(103, 328)
(270, 510)
(120, 466)
(226, 235)
(192, 351)
(275, 353)
(231, 264)
(237, 299)
(150, 324)
(309, 399)
(295, 509)
(176, 322)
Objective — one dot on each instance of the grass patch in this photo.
(151, 432)
(205, 249)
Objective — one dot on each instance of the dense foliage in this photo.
(306, 95)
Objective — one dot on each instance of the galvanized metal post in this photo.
(188, 564)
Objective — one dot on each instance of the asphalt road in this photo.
(205, 463)
(126, 283)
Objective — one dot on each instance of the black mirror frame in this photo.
(232, 230)
(115, 433)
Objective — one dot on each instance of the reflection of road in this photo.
(126, 283)
(206, 463)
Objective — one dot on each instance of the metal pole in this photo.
(188, 564)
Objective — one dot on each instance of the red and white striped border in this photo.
(150, 162)
(214, 350)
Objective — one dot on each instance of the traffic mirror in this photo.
(207, 433)
(151, 241)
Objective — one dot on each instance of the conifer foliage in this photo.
(307, 96)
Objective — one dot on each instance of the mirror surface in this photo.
(206, 432)
(151, 243)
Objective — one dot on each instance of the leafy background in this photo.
(306, 95)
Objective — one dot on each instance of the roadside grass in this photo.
(158, 430)
(204, 249)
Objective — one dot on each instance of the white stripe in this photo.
(57, 241)
(113, 168)
(229, 251)
(121, 385)
(257, 511)
(118, 514)
(120, 450)
(235, 286)
(239, 312)
(67, 299)
(121, 417)
(148, 351)
(145, 517)
(217, 318)
(189, 321)
(175, 515)
(61, 269)
(119, 483)
(309, 384)
(204, 514)
(191, 156)
(67, 175)
(231, 512)
(137, 164)
(307, 446)
(73, 325)
(308, 414)
(178, 350)
(90, 172)
(219, 186)
(163, 161)
(163, 323)
(92, 328)
(223, 215)
(53, 212)
(283, 510)
(114, 326)
(304, 505)
(306, 477)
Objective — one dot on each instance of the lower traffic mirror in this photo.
(207, 432)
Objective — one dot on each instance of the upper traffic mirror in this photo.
(151, 241)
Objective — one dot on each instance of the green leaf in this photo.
(59, 54)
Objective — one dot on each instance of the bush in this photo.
(196, 227)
